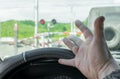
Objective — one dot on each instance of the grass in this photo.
(26, 28)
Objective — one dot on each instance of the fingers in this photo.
(76, 40)
(69, 62)
(75, 49)
(98, 28)
(87, 33)
(71, 45)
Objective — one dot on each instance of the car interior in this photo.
(31, 33)
(39, 64)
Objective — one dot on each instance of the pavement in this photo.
(9, 50)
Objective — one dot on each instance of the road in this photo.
(8, 50)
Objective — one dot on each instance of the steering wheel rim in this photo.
(11, 66)
(13, 62)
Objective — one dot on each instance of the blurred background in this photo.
(31, 24)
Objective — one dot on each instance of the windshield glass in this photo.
(30, 24)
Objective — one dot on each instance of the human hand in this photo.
(92, 57)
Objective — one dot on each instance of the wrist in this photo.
(108, 68)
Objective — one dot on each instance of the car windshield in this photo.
(30, 24)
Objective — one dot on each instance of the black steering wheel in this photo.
(39, 64)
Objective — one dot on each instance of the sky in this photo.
(61, 10)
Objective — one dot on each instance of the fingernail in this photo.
(102, 19)
(59, 60)
(78, 23)
(64, 39)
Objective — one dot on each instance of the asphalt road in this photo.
(9, 50)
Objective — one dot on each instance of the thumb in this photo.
(69, 62)
(98, 28)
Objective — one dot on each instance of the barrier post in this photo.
(15, 38)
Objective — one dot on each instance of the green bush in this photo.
(26, 28)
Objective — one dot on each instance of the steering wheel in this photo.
(39, 64)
